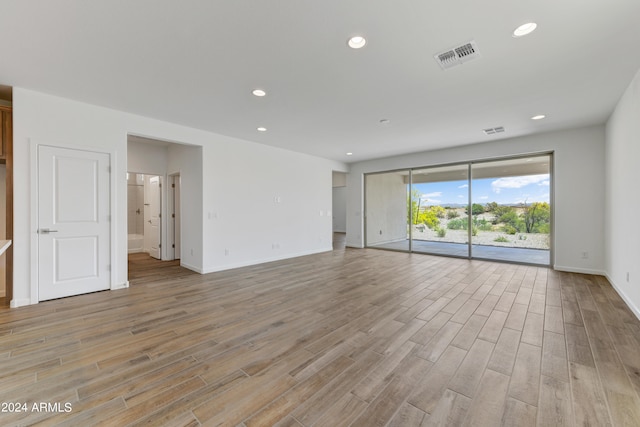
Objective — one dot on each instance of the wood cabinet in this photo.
(6, 158)
(6, 130)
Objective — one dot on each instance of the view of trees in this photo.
(526, 218)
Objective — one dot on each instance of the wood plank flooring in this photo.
(345, 338)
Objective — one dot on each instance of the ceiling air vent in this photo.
(458, 55)
(491, 131)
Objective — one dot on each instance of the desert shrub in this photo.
(452, 213)
(441, 232)
(474, 231)
(458, 224)
(543, 228)
(476, 209)
(510, 229)
(439, 211)
(428, 218)
(490, 207)
(522, 237)
(535, 216)
(509, 217)
(501, 239)
(482, 224)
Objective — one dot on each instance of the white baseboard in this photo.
(120, 285)
(634, 309)
(15, 303)
(191, 267)
(579, 270)
(264, 260)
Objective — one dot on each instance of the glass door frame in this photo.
(469, 164)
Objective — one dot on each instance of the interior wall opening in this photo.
(144, 207)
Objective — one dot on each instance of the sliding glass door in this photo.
(387, 213)
(439, 220)
(495, 210)
(511, 210)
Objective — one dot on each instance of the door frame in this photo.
(34, 145)
(172, 188)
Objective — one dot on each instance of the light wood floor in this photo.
(350, 337)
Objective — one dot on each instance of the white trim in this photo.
(191, 267)
(264, 260)
(349, 245)
(15, 303)
(34, 144)
(579, 270)
(121, 286)
(33, 154)
(634, 309)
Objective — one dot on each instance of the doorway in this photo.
(339, 209)
(144, 214)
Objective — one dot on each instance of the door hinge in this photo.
(173, 245)
(173, 215)
(173, 186)
(159, 246)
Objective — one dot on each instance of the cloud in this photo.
(430, 195)
(463, 186)
(545, 183)
(484, 197)
(518, 181)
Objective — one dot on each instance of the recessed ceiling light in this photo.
(262, 129)
(538, 117)
(259, 92)
(349, 154)
(356, 42)
(524, 29)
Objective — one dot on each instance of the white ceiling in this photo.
(195, 63)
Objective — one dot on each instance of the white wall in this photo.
(339, 207)
(239, 183)
(578, 200)
(187, 161)
(263, 204)
(339, 179)
(386, 203)
(146, 158)
(622, 202)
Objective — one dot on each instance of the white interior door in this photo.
(74, 254)
(154, 216)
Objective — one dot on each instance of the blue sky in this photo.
(507, 190)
